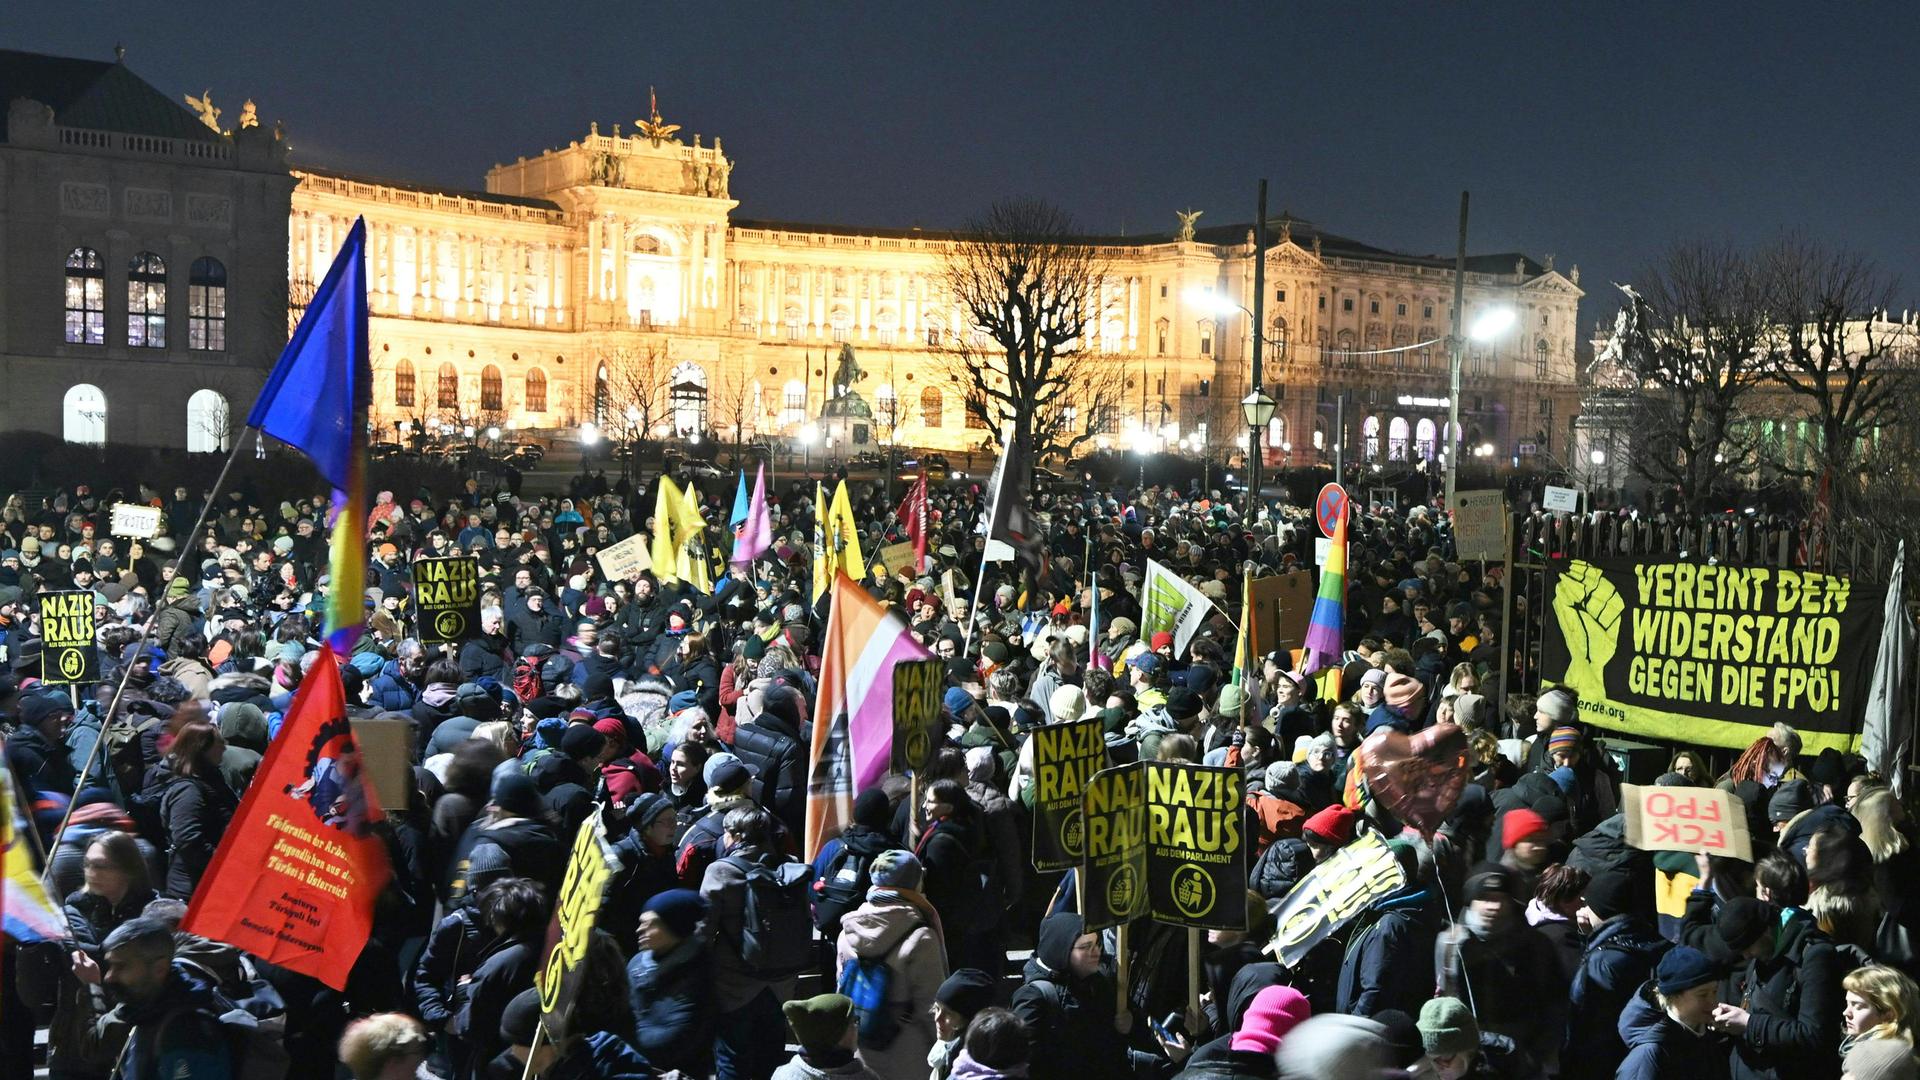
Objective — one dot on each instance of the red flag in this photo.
(297, 874)
(913, 514)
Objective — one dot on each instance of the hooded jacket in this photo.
(1389, 956)
(1619, 958)
(1794, 997)
(1069, 1019)
(672, 999)
(896, 934)
(188, 1029)
(1660, 1049)
(772, 747)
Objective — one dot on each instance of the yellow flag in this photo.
(844, 534)
(666, 503)
(690, 535)
(823, 560)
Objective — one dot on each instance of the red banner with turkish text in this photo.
(297, 874)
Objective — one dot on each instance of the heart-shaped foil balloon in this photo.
(1417, 777)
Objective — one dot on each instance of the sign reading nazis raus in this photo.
(1196, 846)
(917, 685)
(563, 970)
(1114, 875)
(68, 653)
(1065, 756)
(1698, 653)
(447, 592)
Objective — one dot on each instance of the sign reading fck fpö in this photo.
(1686, 819)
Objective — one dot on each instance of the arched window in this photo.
(86, 298)
(449, 389)
(147, 301)
(1319, 434)
(687, 392)
(1397, 439)
(1370, 438)
(1540, 359)
(1277, 433)
(207, 305)
(84, 415)
(793, 404)
(536, 390)
(886, 408)
(933, 407)
(403, 384)
(842, 322)
(490, 396)
(1424, 437)
(1206, 337)
(209, 423)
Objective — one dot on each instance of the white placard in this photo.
(1562, 500)
(1480, 525)
(136, 521)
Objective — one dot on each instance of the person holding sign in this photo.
(1067, 1003)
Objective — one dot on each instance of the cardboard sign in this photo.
(1561, 500)
(1480, 525)
(135, 521)
(386, 750)
(1196, 847)
(1331, 894)
(68, 653)
(1690, 819)
(1669, 649)
(1282, 608)
(589, 869)
(448, 594)
(624, 561)
(1065, 757)
(1114, 873)
(896, 557)
(917, 687)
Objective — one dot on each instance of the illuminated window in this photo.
(403, 384)
(1424, 438)
(1397, 439)
(793, 404)
(536, 390)
(448, 396)
(207, 305)
(490, 396)
(147, 301)
(932, 407)
(1370, 438)
(86, 298)
(209, 423)
(84, 415)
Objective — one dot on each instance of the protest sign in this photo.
(1196, 848)
(1114, 874)
(386, 746)
(448, 594)
(589, 868)
(624, 561)
(1172, 604)
(917, 686)
(1561, 500)
(1065, 756)
(1698, 653)
(1480, 525)
(1689, 819)
(1282, 607)
(135, 521)
(1333, 893)
(896, 557)
(68, 653)
(299, 868)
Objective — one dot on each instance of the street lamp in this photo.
(1257, 407)
(1487, 326)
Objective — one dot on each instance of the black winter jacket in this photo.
(672, 998)
(775, 751)
(1620, 956)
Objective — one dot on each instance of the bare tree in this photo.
(1691, 344)
(638, 378)
(1834, 349)
(1029, 287)
(731, 401)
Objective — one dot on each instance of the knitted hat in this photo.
(582, 741)
(1467, 709)
(1518, 825)
(1563, 738)
(1881, 1059)
(1374, 677)
(1489, 882)
(679, 909)
(1564, 779)
(1558, 704)
(1404, 1044)
(958, 700)
(896, 869)
(1068, 703)
(755, 648)
(1333, 825)
(967, 991)
(1123, 626)
(647, 806)
(1182, 703)
(1683, 968)
(1742, 921)
(1275, 1011)
(1790, 799)
(521, 1018)
(1609, 893)
(515, 793)
(1333, 1046)
(1162, 640)
(1405, 694)
(1447, 1027)
(1232, 700)
(819, 1023)
(730, 778)
(872, 809)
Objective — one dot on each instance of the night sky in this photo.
(1598, 132)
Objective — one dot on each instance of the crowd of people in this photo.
(1529, 940)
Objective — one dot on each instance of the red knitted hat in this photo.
(1518, 825)
(1333, 825)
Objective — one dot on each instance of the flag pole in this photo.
(146, 632)
(993, 515)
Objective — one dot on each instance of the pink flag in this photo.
(756, 536)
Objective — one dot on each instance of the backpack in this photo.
(776, 920)
(124, 749)
(841, 887)
(526, 677)
(865, 981)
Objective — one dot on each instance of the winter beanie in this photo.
(680, 909)
(1447, 1027)
(1275, 1011)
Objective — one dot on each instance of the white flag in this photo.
(1887, 734)
(1169, 602)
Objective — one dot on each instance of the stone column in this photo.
(593, 258)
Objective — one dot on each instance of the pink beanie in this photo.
(1274, 1012)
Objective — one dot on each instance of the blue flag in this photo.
(741, 505)
(315, 400)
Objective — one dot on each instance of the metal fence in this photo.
(1728, 539)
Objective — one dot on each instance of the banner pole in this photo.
(528, 1073)
(146, 631)
(1194, 940)
(1120, 970)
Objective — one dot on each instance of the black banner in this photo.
(68, 652)
(1196, 845)
(447, 593)
(1710, 654)
(1113, 879)
(1065, 756)
(917, 686)
(1331, 895)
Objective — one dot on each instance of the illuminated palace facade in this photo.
(616, 268)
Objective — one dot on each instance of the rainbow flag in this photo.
(316, 402)
(1326, 632)
(853, 711)
(26, 912)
